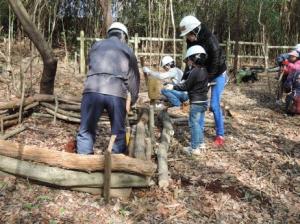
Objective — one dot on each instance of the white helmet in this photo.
(196, 49)
(118, 26)
(297, 47)
(187, 24)
(166, 60)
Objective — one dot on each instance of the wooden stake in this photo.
(23, 93)
(55, 109)
(107, 169)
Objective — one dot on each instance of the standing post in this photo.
(82, 58)
(183, 53)
(136, 42)
(151, 122)
(228, 50)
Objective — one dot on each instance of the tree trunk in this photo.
(237, 36)
(107, 15)
(50, 62)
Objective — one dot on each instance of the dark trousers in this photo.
(92, 106)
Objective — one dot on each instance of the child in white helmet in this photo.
(197, 87)
(173, 75)
(197, 33)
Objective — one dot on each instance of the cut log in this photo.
(151, 123)
(63, 117)
(139, 147)
(144, 116)
(12, 133)
(39, 98)
(68, 178)
(71, 107)
(29, 100)
(60, 111)
(149, 150)
(10, 123)
(132, 141)
(184, 121)
(66, 160)
(162, 152)
(123, 193)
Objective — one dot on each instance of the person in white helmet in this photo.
(197, 33)
(113, 73)
(197, 87)
(172, 74)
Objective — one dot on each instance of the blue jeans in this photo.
(92, 106)
(196, 118)
(215, 103)
(175, 97)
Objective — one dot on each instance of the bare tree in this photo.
(107, 14)
(50, 62)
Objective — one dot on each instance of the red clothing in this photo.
(292, 67)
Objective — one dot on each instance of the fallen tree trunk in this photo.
(60, 111)
(162, 152)
(9, 123)
(29, 100)
(12, 133)
(68, 178)
(66, 160)
(71, 107)
(63, 117)
(13, 104)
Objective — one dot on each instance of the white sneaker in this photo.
(197, 152)
(202, 146)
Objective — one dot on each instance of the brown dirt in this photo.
(253, 179)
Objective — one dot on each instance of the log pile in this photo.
(68, 170)
(85, 172)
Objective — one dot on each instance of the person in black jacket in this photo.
(197, 87)
(113, 75)
(198, 34)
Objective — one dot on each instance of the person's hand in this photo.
(285, 62)
(169, 86)
(146, 70)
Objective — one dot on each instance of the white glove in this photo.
(146, 70)
(169, 86)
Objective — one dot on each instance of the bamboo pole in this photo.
(82, 57)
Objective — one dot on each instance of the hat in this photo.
(294, 53)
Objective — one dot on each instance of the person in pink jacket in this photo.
(292, 64)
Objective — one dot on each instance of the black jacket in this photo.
(195, 85)
(216, 61)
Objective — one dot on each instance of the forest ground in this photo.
(254, 178)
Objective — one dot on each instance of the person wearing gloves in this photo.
(197, 33)
(197, 87)
(113, 75)
(172, 74)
